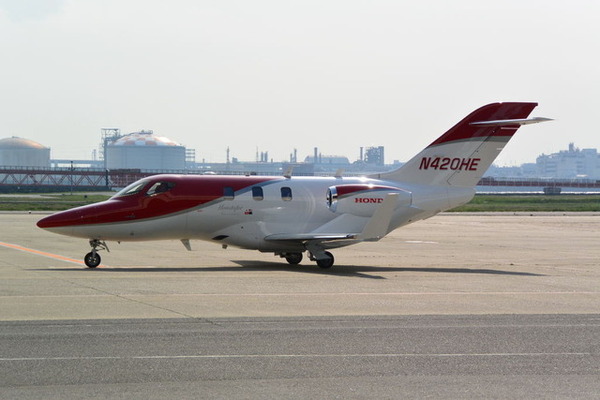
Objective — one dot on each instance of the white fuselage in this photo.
(245, 220)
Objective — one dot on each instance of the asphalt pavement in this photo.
(458, 306)
(518, 356)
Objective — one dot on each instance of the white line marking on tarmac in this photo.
(288, 294)
(232, 356)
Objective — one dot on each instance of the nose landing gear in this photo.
(93, 259)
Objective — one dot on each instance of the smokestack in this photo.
(316, 155)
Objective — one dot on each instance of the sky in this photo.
(279, 75)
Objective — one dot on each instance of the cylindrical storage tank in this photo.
(144, 150)
(19, 152)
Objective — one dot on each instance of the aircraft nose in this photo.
(60, 219)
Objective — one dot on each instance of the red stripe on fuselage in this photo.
(351, 189)
(190, 191)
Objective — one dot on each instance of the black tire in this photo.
(326, 262)
(294, 258)
(92, 260)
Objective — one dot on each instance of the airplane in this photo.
(290, 216)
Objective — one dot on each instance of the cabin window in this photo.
(286, 193)
(160, 187)
(228, 193)
(257, 193)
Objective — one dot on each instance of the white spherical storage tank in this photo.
(19, 152)
(145, 150)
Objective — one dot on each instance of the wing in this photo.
(376, 228)
(302, 237)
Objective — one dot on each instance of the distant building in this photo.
(375, 155)
(328, 160)
(145, 150)
(19, 152)
(572, 163)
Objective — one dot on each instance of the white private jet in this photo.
(289, 216)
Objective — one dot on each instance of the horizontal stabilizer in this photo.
(506, 122)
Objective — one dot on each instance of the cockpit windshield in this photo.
(134, 188)
(160, 187)
(154, 189)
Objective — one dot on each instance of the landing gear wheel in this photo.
(92, 259)
(326, 262)
(294, 258)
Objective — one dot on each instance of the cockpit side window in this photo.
(160, 187)
(134, 188)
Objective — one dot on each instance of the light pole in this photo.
(71, 175)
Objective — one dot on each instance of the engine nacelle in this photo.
(363, 199)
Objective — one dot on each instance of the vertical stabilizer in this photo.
(463, 154)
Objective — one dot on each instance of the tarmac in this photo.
(457, 306)
(450, 264)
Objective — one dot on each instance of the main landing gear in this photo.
(93, 259)
(325, 259)
(293, 258)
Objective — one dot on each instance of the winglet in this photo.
(186, 244)
(378, 225)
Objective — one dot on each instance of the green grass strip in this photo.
(563, 202)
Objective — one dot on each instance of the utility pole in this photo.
(71, 175)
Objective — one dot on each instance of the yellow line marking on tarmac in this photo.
(40, 253)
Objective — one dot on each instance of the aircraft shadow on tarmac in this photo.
(360, 271)
(364, 271)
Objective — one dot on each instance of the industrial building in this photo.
(373, 155)
(144, 150)
(20, 152)
(571, 163)
(25, 166)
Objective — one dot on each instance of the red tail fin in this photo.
(461, 156)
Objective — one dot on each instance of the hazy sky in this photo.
(278, 75)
